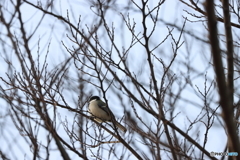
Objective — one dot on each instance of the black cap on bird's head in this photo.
(94, 98)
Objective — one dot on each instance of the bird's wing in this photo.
(103, 106)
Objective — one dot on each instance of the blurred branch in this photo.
(224, 91)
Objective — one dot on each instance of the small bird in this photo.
(102, 113)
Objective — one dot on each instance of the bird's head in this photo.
(94, 98)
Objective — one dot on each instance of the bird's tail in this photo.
(121, 127)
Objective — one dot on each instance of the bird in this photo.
(102, 113)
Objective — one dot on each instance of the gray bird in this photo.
(101, 112)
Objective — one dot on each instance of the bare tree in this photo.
(154, 71)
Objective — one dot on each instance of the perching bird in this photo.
(101, 112)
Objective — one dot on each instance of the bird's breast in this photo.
(98, 112)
